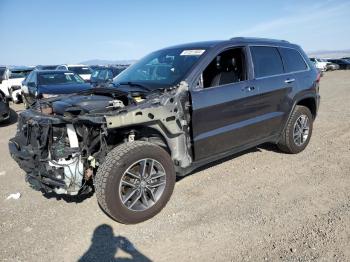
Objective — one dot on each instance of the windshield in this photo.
(59, 78)
(101, 74)
(47, 67)
(81, 70)
(162, 68)
(19, 74)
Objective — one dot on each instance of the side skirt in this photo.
(196, 164)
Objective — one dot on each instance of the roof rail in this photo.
(239, 38)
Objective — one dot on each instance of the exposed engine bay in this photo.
(61, 142)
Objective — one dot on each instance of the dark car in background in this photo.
(343, 63)
(103, 75)
(4, 109)
(46, 67)
(51, 83)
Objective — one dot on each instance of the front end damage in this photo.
(61, 142)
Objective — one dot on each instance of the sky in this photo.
(70, 31)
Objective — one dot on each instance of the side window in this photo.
(226, 68)
(292, 60)
(102, 74)
(109, 74)
(267, 61)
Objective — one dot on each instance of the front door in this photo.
(226, 108)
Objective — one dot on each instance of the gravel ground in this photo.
(255, 206)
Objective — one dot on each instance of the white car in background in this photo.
(4, 84)
(11, 82)
(83, 71)
(320, 63)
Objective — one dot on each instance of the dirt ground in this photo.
(261, 205)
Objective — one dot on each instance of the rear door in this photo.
(298, 71)
(275, 86)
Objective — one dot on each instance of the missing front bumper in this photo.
(49, 155)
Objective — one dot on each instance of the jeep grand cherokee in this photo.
(174, 110)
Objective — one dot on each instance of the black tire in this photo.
(287, 143)
(110, 173)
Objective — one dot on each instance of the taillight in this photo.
(318, 77)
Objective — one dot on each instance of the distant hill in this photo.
(330, 53)
(107, 62)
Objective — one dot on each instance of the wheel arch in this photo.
(154, 132)
(310, 103)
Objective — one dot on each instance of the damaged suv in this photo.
(174, 110)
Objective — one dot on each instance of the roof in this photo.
(76, 65)
(21, 68)
(238, 40)
(52, 71)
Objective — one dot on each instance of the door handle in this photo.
(289, 80)
(248, 88)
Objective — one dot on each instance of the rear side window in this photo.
(292, 60)
(267, 61)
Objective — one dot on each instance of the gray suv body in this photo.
(174, 110)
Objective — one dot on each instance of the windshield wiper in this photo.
(135, 84)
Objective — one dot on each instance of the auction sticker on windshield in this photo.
(195, 52)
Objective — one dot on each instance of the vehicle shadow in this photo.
(271, 147)
(13, 119)
(107, 247)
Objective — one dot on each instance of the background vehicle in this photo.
(46, 67)
(50, 83)
(102, 76)
(4, 109)
(11, 81)
(17, 76)
(332, 66)
(4, 76)
(174, 110)
(83, 71)
(343, 63)
(320, 63)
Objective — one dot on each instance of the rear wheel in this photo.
(135, 182)
(298, 131)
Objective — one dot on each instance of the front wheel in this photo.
(298, 131)
(135, 182)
